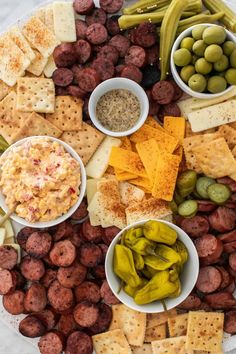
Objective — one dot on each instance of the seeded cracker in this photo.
(215, 159)
(111, 342)
(130, 193)
(17, 37)
(38, 64)
(229, 134)
(205, 331)
(68, 113)
(145, 349)
(178, 325)
(156, 319)
(49, 18)
(171, 346)
(189, 132)
(115, 318)
(155, 333)
(35, 95)
(4, 90)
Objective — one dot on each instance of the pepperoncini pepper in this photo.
(162, 252)
(123, 265)
(159, 232)
(142, 246)
(131, 291)
(158, 288)
(180, 248)
(130, 236)
(138, 261)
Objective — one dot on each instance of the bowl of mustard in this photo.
(152, 266)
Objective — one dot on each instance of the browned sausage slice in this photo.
(60, 298)
(112, 25)
(230, 247)
(31, 327)
(64, 55)
(98, 272)
(152, 54)
(81, 212)
(121, 43)
(104, 320)
(230, 322)
(104, 67)
(83, 7)
(38, 244)
(48, 317)
(195, 226)
(83, 50)
(32, 269)
(62, 77)
(14, 302)
(133, 73)
(136, 55)
(226, 278)
(111, 6)
(87, 291)
(72, 276)
(49, 276)
(51, 343)
(209, 279)
(81, 28)
(98, 15)
(163, 92)
(206, 206)
(231, 287)
(23, 234)
(221, 300)
(145, 35)
(79, 343)
(110, 53)
(104, 249)
(90, 255)
(209, 248)
(229, 181)
(35, 298)
(223, 219)
(67, 324)
(96, 33)
(88, 79)
(8, 257)
(228, 237)
(86, 314)
(192, 302)
(109, 234)
(107, 295)
(76, 237)
(171, 110)
(92, 233)
(7, 281)
(63, 230)
(75, 91)
(232, 260)
(63, 253)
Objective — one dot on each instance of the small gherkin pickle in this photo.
(159, 232)
(186, 182)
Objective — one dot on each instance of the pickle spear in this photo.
(229, 18)
(168, 32)
(198, 19)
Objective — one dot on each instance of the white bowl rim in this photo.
(176, 75)
(152, 307)
(140, 121)
(60, 219)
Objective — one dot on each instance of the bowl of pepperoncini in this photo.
(152, 266)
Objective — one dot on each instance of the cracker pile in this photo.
(161, 333)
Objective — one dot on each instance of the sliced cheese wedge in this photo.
(202, 103)
(130, 193)
(91, 189)
(9, 230)
(50, 67)
(64, 21)
(17, 248)
(2, 235)
(9, 240)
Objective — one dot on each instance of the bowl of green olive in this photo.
(203, 60)
(152, 266)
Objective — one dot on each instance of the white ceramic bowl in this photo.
(113, 84)
(42, 224)
(188, 277)
(176, 76)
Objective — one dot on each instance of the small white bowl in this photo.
(188, 277)
(113, 84)
(176, 76)
(44, 224)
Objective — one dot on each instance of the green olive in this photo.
(182, 57)
(230, 76)
(186, 72)
(216, 84)
(203, 67)
(194, 59)
(222, 64)
(198, 31)
(197, 83)
(233, 59)
(199, 48)
(228, 47)
(213, 53)
(214, 35)
(187, 43)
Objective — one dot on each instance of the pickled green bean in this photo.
(229, 18)
(198, 19)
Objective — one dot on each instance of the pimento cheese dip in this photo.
(40, 180)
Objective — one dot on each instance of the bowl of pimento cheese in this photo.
(42, 181)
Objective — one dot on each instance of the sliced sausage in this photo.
(63, 253)
(209, 279)
(67, 324)
(206, 206)
(88, 79)
(228, 237)
(153, 105)
(76, 91)
(209, 248)
(226, 278)
(61, 91)
(79, 343)
(204, 307)
(32, 269)
(171, 110)
(121, 43)
(104, 320)
(35, 298)
(192, 302)
(98, 15)
(7, 281)
(76, 237)
(110, 53)
(107, 295)
(20, 280)
(62, 77)
(230, 247)
(64, 55)
(230, 322)
(91, 233)
(81, 212)
(38, 244)
(145, 35)
(109, 233)
(31, 327)
(83, 7)
(222, 219)
(14, 302)
(60, 298)
(22, 236)
(229, 181)
(104, 249)
(163, 92)
(111, 6)
(104, 67)
(152, 54)
(231, 287)
(90, 255)
(49, 276)
(48, 317)
(133, 73)
(136, 55)
(195, 226)
(72, 276)
(112, 25)
(8, 257)
(63, 230)
(220, 301)
(86, 314)
(231, 271)
(83, 50)
(232, 260)
(96, 33)
(98, 272)
(178, 92)
(52, 342)
(81, 28)
(88, 291)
